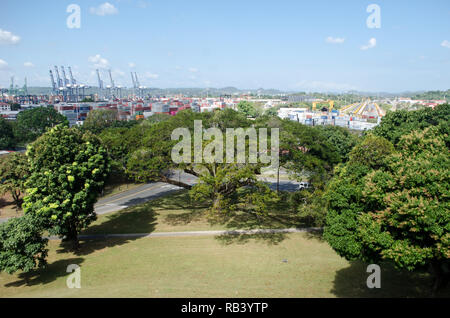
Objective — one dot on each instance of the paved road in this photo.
(156, 190)
(142, 194)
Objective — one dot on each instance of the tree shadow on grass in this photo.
(45, 275)
(268, 238)
(135, 220)
(185, 218)
(179, 200)
(89, 246)
(315, 235)
(351, 282)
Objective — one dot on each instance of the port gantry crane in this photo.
(75, 90)
(100, 84)
(54, 87)
(61, 87)
(136, 86)
(67, 85)
(113, 87)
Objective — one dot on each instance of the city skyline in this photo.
(287, 45)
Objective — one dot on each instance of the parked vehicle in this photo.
(304, 185)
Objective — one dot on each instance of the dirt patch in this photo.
(8, 208)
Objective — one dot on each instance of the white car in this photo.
(304, 185)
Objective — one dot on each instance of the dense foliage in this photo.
(397, 124)
(247, 108)
(6, 134)
(32, 123)
(22, 246)
(14, 169)
(390, 204)
(341, 138)
(67, 173)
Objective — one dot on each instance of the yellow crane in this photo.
(330, 103)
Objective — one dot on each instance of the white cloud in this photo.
(446, 44)
(7, 37)
(323, 86)
(98, 61)
(132, 65)
(118, 72)
(150, 75)
(332, 40)
(372, 43)
(193, 70)
(3, 65)
(104, 9)
(28, 64)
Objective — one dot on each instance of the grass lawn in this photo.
(210, 267)
(261, 265)
(176, 212)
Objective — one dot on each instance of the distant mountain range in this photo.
(256, 92)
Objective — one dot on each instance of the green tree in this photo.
(67, 173)
(306, 152)
(344, 195)
(22, 246)
(341, 138)
(247, 108)
(100, 119)
(15, 106)
(397, 124)
(34, 122)
(396, 210)
(14, 169)
(6, 134)
(273, 111)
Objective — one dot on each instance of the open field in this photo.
(294, 265)
(258, 265)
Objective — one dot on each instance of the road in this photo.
(154, 190)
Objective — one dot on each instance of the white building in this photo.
(5, 107)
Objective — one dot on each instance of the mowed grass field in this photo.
(176, 212)
(264, 265)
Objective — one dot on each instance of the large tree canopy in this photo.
(67, 173)
(397, 124)
(22, 246)
(247, 108)
(392, 205)
(14, 169)
(341, 138)
(34, 122)
(101, 119)
(6, 134)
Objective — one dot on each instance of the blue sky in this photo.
(247, 44)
